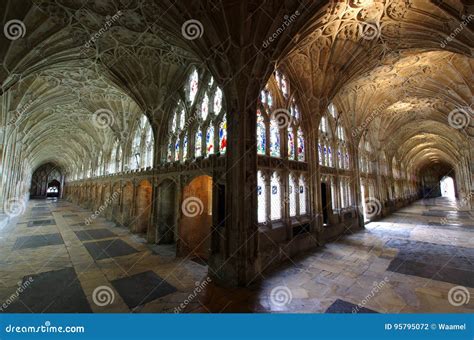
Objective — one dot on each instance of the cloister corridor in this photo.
(411, 258)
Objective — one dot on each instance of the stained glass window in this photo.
(198, 144)
(261, 199)
(302, 192)
(275, 195)
(193, 86)
(274, 139)
(291, 144)
(292, 191)
(205, 107)
(217, 101)
(210, 140)
(223, 136)
(176, 150)
(261, 134)
(301, 146)
(185, 148)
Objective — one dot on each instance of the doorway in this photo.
(196, 219)
(53, 188)
(324, 203)
(447, 187)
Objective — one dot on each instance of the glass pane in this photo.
(275, 194)
(210, 140)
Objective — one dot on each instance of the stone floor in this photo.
(406, 263)
(54, 262)
(51, 261)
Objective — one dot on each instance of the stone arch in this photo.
(194, 228)
(167, 211)
(127, 204)
(142, 214)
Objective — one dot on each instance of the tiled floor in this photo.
(407, 262)
(68, 260)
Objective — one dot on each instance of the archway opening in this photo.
(196, 219)
(53, 189)
(143, 207)
(166, 213)
(447, 187)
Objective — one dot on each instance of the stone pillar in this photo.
(236, 261)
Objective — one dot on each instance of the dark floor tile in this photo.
(80, 224)
(110, 248)
(142, 288)
(341, 306)
(39, 209)
(94, 234)
(56, 291)
(443, 273)
(37, 241)
(38, 223)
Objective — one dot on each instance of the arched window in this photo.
(201, 127)
(135, 151)
(113, 159)
(280, 134)
(325, 151)
(261, 198)
(193, 85)
(149, 143)
(275, 198)
(274, 138)
(141, 152)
